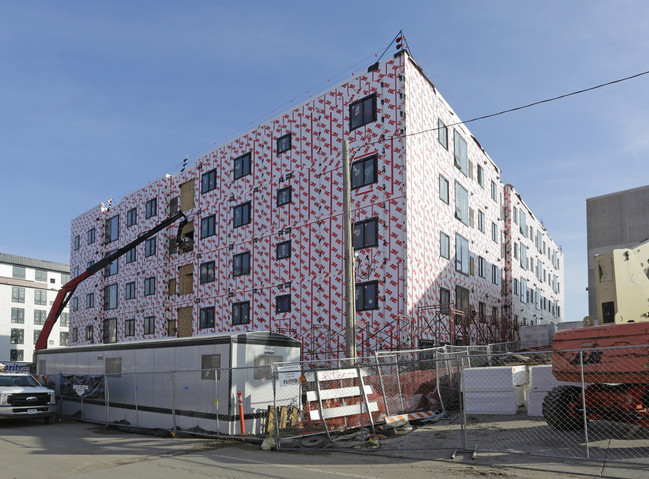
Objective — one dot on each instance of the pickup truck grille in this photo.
(26, 399)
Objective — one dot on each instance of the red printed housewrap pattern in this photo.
(439, 252)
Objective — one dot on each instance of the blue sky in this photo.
(93, 90)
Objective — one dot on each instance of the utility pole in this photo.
(350, 281)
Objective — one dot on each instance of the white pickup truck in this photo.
(22, 396)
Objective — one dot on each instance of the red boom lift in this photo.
(612, 360)
(66, 291)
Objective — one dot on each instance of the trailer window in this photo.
(210, 366)
(114, 366)
(262, 365)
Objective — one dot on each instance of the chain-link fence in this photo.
(590, 403)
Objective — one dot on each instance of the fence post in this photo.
(463, 403)
(275, 418)
(172, 393)
(242, 420)
(106, 397)
(583, 403)
(385, 399)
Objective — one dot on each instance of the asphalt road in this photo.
(69, 449)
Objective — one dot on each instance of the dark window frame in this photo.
(242, 268)
(281, 196)
(151, 208)
(442, 133)
(129, 327)
(148, 325)
(208, 226)
(207, 272)
(92, 235)
(279, 248)
(280, 143)
(238, 310)
(149, 286)
(362, 299)
(206, 317)
(362, 165)
(150, 247)
(363, 241)
(131, 217)
(244, 163)
(129, 290)
(111, 224)
(208, 181)
(283, 303)
(363, 119)
(245, 210)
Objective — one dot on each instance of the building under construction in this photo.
(445, 252)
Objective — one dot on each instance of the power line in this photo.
(547, 100)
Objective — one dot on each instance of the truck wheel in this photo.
(558, 408)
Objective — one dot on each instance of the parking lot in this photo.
(72, 449)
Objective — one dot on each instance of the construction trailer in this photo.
(190, 384)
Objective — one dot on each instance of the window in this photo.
(149, 324)
(208, 272)
(19, 272)
(515, 287)
(112, 229)
(110, 332)
(442, 133)
(90, 300)
(364, 172)
(241, 311)
(110, 297)
(40, 316)
(283, 250)
(131, 217)
(494, 191)
(149, 247)
(208, 226)
(129, 327)
(494, 232)
(444, 245)
(241, 264)
(242, 166)
(17, 336)
(523, 256)
(367, 296)
(65, 277)
(41, 276)
(37, 333)
(241, 214)
(365, 233)
(494, 274)
(76, 271)
(283, 303)
(480, 176)
(208, 181)
(443, 189)
(129, 292)
(131, 255)
(17, 294)
(90, 334)
(18, 315)
(524, 293)
(206, 318)
(362, 112)
(40, 297)
(151, 208)
(461, 254)
(481, 220)
(284, 196)
(113, 267)
(461, 203)
(149, 286)
(284, 143)
(210, 364)
(444, 300)
(461, 160)
(75, 304)
(64, 338)
(77, 242)
(263, 365)
(16, 355)
(75, 335)
(481, 266)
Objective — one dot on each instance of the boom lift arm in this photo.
(66, 291)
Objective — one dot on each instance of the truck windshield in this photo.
(18, 380)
